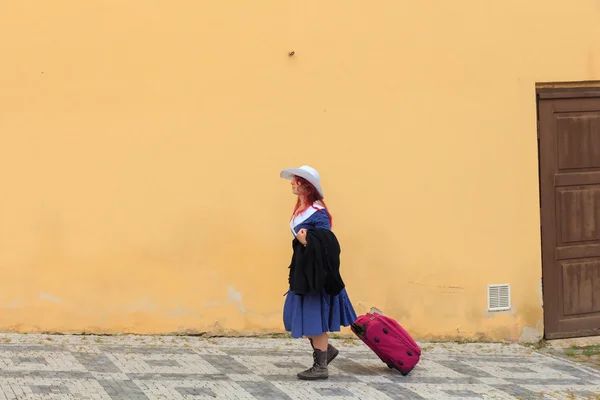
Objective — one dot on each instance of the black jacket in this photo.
(316, 267)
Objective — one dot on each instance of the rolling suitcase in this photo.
(392, 344)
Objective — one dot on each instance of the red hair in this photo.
(309, 196)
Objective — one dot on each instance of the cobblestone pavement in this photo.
(141, 367)
(584, 351)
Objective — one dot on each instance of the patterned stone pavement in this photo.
(140, 367)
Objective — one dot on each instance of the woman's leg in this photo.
(320, 342)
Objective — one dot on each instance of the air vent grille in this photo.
(499, 297)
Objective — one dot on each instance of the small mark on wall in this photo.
(49, 297)
(178, 311)
(143, 305)
(13, 304)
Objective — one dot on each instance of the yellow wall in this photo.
(141, 142)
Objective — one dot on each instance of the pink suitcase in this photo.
(392, 344)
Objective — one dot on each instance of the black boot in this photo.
(332, 352)
(319, 368)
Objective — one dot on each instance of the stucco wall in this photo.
(140, 146)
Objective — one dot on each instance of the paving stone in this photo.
(464, 368)
(494, 358)
(330, 392)
(542, 382)
(519, 370)
(517, 391)
(29, 348)
(396, 392)
(163, 363)
(434, 380)
(29, 360)
(263, 390)
(177, 377)
(290, 364)
(462, 394)
(246, 369)
(569, 369)
(258, 352)
(96, 362)
(76, 375)
(226, 364)
(353, 368)
(196, 392)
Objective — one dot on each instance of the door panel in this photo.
(578, 140)
(569, 141)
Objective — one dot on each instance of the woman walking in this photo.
(314, 306)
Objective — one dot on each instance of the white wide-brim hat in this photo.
(306, 172)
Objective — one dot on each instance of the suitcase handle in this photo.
(358, 329)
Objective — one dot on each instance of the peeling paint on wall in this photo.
(375, 310)
(235, 297)
(530, 334)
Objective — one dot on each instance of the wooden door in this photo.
(569, 150)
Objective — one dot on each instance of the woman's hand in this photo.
(301, 236)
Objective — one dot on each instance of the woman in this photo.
(314, 314)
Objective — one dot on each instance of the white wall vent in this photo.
(499, 297)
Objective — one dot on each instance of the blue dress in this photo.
(316, 313)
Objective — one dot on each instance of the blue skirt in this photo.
(316, 313)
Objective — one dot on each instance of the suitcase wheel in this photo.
(390, 366)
